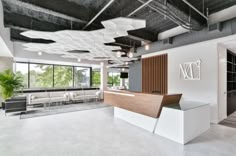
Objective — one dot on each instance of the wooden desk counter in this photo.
(143, 103)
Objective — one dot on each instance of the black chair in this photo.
(16, 104)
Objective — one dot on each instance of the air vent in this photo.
(167, 41)
(215, 27)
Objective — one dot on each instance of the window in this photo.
(41, 76)
(63, 76)
(55, 76)
(22, 71)
(81, 77)
(113, 79)
(116, 79)
(96, 78)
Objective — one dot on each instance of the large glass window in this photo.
(96, 78)
(81, 77)
(63, 76)
(22, 71)
(113, 79)
(55, 76)
(41, 76)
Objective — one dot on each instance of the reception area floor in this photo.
(97, 133)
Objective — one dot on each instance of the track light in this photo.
(40, 53)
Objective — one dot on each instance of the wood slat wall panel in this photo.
(154, 74)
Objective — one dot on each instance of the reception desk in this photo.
(142, 103)
(182, 122)
(140, 109)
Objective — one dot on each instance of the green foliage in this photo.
(63, 76)
(9, 82)
(96, 79)
(114, 79)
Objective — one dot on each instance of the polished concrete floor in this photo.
(96, 133)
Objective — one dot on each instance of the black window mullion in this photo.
(28, 75)
(90, 76)
(73, 76)
(53, 85)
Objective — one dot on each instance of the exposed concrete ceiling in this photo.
(55, 15)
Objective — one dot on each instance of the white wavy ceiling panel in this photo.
(92, 41)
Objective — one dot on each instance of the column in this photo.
(103, 78)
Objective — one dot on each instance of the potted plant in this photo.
(9, 83)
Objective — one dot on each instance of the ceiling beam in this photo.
(99, 13)
(195, 9)
(143, 5)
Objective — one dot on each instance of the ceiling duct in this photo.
(215, 27)
(174, 14)
(167, 41)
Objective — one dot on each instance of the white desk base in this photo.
(183, 126)
(143, 121)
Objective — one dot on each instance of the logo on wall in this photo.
(190, 70)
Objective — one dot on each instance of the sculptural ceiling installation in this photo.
(89, 45)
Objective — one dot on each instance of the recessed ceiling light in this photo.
(147, 47)
(123, 69)
(78, 59)
(40, 53)
(126, 63)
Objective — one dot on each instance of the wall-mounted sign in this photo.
(190, 70)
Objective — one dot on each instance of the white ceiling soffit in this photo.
(222, 15)
(92, 41)
(172, 32)
(231, 45)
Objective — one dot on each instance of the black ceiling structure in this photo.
(54, 15)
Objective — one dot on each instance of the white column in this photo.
(5, 63)
(103, 78)
(122, 82)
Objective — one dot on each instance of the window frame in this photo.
(53, 65)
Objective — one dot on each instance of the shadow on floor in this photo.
(230, 121)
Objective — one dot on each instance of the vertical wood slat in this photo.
(154, 74)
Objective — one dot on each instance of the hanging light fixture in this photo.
(130, 54)
(147, 47)
(118, 54)
(40, 53)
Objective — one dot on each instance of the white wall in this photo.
(204, 90)
(6, 46)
